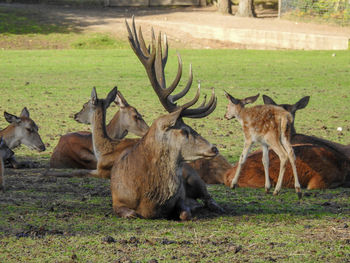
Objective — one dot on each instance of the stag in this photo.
(22, 130)
(5, 153)
(271, 127)
(147, 180)
(319, 164)
(75, 150)
(107, 150)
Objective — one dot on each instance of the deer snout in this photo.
(214, 150)
(41, 148)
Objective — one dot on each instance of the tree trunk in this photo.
(246, 8)
(224, 6)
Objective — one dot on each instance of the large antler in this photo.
(154, 60)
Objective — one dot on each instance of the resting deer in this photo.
(75, 150)
(319, 164)
(22, 130)
(271, 127)
(153, 187)
(5, 153)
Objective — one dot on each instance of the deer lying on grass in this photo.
(22, 130)
(319, 164)
(271, 127)
(75, 150)
(107, 150)
(153, 187)
(5, 153)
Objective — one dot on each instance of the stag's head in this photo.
(170, 129)
(235, 105)
(25, 131)
(5, 151)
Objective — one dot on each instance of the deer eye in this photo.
(29, 130)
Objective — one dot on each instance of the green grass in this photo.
(46, 78)
(68, 220)
(72, 224)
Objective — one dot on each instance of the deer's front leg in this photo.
(247, 145)
(266, 161)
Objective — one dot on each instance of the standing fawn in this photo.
(271, 127)
(5, 153)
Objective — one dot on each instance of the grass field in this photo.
(71, 220)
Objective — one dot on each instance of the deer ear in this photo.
(11, 118)
(170, 119)
(94, 96)
(232, 99)
(268, 101)
(111, 96)
(24, 113)
(120, 100)
(302, 103)
(251, 99)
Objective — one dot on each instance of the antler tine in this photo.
(202, 111)
(165, 54)
(159, 67)
(192, 102)
(176, 81)
(175, 97)
(139, 48)
(134, 33)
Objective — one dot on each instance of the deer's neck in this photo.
(9, 136)
(115, 129)
(100, 138)
(164, 173)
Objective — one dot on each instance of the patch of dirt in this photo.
(169, 20)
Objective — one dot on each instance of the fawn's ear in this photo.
(302, 103)
(268, 101)
(24, 113)
(111, 96)
(232, 99)
(251, 99)
(11, 118)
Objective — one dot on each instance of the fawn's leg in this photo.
(247, 145)
(265, 161)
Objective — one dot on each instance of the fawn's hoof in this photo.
(267, 190)
(276, 192)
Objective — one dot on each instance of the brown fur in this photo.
(22, 130)
(320, 163)
(318, 168)
(5, 153)
(147, 181)
(270, 126)
(212, 171)
(75, 150)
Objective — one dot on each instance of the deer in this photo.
(21, 130)
(75, 150)
(153, 188)
(5, 153)
(107, 150)
(320, 165)
(270, 126)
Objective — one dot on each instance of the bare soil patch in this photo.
(112, 20)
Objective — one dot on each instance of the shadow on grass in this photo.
(45, 19)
